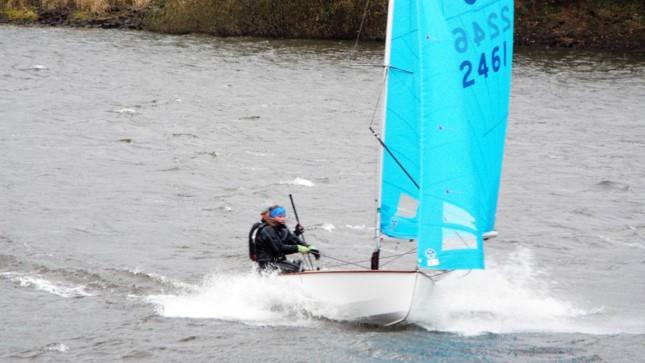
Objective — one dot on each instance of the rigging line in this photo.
(436, 275)
(378, 137)
(360, 29)
(356, 263)
(399, 69)
(378, 170)
(344, 262)
(463, 240)
(396, 257)
(378, 100)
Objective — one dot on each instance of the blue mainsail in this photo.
(456, 76)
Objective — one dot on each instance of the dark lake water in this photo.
(132, 164)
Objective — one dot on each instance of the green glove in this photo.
(303, 249)
(314, 251)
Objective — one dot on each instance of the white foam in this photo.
(507, 297)
(162, 279)
(328, 227)
(299, 181)
(249, 298)
(41, 284)
(504, 298)
(362, 227)
(126, 110)
(58, 347)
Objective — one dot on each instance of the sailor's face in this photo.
(280, 219)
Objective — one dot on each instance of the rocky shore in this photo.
(583, 24)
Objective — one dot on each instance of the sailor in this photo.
(273, 241)
(264, 215)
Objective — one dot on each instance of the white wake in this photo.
(504, 298)
(509, 297)
(250, 298)
(57, 288)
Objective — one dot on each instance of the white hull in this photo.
(365, 296)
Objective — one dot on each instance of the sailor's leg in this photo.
(267, 266)
(289, 266)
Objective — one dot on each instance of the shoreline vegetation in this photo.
(583, 24)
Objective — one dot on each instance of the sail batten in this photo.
(445, 120)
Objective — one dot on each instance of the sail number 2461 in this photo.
(491, 60)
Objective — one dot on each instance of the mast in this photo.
(386, 65)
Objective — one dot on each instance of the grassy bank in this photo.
(609, 24)
(98, 13)
(339, 19)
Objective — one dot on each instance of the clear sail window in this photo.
(456, 215)
(407, 206)
(458, 240)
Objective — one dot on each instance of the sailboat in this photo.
(446, 101)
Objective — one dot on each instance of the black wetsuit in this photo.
(252, 235)
(272, 244)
